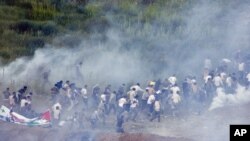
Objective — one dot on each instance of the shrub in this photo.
(93, 9)
(23, 26)
(11, 2)
(41, 13)
(49, 28)
(4, 55)
(25, 5)
(32, 44)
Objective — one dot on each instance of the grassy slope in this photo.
(26, 25)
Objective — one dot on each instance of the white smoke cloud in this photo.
(102, 63)
(242, 96)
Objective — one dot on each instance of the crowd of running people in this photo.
(168, 97)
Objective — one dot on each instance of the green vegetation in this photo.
(26, 25)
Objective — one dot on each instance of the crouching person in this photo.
(56, 109)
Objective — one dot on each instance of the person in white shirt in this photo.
(138, 89)
(218, 81)
(223, 76)
(103, 105)
(174, 98)
(121, 102)
(156, 113)
(102, 109)
(66, 85)
(12, 100)
(151, 99)
(144, 99)
(131, 94)
(175, 91)
(172, 80)
(23, 101)
(56, 109)
(84, 94)
(150, 103)
(207, 77)
(133, 112)
(69, 93)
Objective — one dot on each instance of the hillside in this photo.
(26, 25)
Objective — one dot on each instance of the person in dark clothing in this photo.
(157, 85)
(120, 92)
(95, 95)
(59, 84)
(119, 124)
(209, 88)
(6, 93)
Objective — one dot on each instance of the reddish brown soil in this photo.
(135, 137)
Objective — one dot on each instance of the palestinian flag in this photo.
(9, 116)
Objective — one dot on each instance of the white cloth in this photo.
(131, 94)
(121, 102)
(207, 77)
(56, 112)
(134, 103)
(176, 98)
(103, 97)
(175, 89)
(172, 79)
(218, 81)
(137, 88)
(66, 86)
(22, 103)
(84, 93)
(151, 99)
(157, 106)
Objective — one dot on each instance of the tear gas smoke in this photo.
(210, 29)
(214, 29)
(242, 96)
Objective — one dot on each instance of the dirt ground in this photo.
(209, 126)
